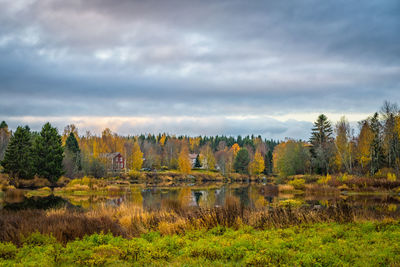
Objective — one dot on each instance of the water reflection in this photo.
(250, 195)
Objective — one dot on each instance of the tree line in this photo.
(337, 148)
(372, 150)
(48, 154)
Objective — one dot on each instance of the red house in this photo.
(115, 161)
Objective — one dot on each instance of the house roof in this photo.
(110, 155)
(193, 156)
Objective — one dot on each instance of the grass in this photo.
(174, 217)
(321, 244)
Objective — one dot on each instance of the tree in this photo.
(48, 154)
(137, 157)
(343, 145)
(4, 138)
(290, 158)
(390, 142)
(72, 156)
(207, 157)
(197, 163)
(364, 144)
(242, 160)
(322, 141)
(18, 156)
(257, 166)
(184, 161)
(235, 149)
(376, 144)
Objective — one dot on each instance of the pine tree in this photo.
(4, 138)
(197, 163)
(376, 144)
(3, 124)
(242, 161)
(322, 141)
(72, 156)
(48, 154)
(18, 157)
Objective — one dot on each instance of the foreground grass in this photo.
(323, 244)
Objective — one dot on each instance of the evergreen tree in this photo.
(4, 138)
(18, 157)
(3, 124)
(197, 163)
(72, 157)
(323, 146)
(242, 161)
(48, 154)
(268, 162)
(376, 145)
(71, 144)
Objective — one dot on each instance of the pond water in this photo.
(252, 195)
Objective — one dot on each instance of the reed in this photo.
(131, 221)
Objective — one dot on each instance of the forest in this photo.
(372, 149)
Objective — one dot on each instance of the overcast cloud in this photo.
(196, 67)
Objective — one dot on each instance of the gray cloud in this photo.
(198, 59)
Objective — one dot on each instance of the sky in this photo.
(202, 67)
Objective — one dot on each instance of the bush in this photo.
(7, 251)
(298, 184)
(36, 182)
(391, 177)
(63, 181)
(325, 179)
(383, 173)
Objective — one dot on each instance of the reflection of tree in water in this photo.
(243, 193)
(185, 197)
(198, 195)
(136, 197)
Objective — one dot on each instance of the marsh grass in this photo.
(131, 221)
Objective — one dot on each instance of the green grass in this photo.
(333, 244)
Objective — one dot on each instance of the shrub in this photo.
(7, 251)
(324, 179)
(36, 182)
(383, 173)
(63, 181)
(298, 183)
(391, 177)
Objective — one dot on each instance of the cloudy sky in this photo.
(196, 67)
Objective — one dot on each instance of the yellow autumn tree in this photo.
(207, 157)
(257, 166)
(343, 157)
(184, 163)
(95, 149)
(137, 157)
(364, 145)
(194, 143)
(162, 139)
(235, 149)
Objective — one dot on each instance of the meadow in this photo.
(320, 244)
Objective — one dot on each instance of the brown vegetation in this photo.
(130, 221)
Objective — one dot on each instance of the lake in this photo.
(207, 195)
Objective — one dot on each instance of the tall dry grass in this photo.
(131, 221)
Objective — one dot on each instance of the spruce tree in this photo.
(48, 154)
(72, 157)
(323, 146)
(242, 161)
(4, 138)
(376, 145)
(18, 157)
(197, 163)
